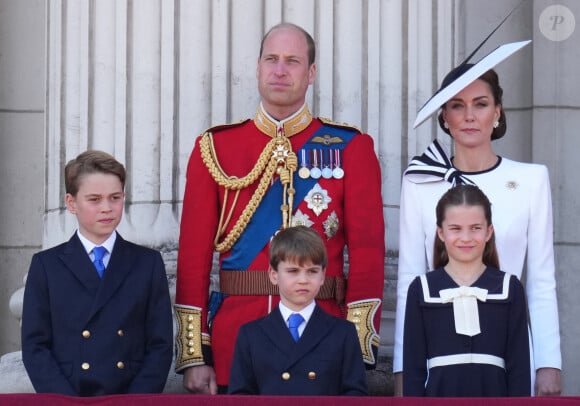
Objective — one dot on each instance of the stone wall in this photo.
(142, 81)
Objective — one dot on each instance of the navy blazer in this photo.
(86, 336)
(326, 360)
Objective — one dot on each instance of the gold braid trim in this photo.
(362, 313)
(210, 160)
(337, 124)
(188, 339)
(267, 164)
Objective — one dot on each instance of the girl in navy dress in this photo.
(466, 322)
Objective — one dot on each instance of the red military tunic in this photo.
(351, 215)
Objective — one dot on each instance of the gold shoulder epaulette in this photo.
(221, 127)
(328, 121)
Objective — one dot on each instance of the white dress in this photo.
(522, 218)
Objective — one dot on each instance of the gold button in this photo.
(190, 334)
(120, 365)
(356, 320)
(86, 333)
(120, 333)
(357, 313)
(190, 327)
(190, 318)
(311, 375)
(85, 366)
(190, 350)
(190, 343)
(286, 376)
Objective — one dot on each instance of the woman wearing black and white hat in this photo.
(471, 112)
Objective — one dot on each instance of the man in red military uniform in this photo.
(248, 180)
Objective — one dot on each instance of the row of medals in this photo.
(330, 167)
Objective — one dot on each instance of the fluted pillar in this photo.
(111, 86)
(141, 79)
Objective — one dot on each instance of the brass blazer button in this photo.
(86, 333)
(286, 376)
(120, 365)
(85, 366)
(311, 375)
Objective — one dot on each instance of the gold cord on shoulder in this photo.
(277, 157)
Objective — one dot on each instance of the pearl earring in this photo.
(446, 125)
(496, 124)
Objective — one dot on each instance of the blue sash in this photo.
(267, 218)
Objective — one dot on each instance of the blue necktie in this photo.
(294, 321)
(99, 253)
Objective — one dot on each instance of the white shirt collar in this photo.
(305, 312)
(109, 243)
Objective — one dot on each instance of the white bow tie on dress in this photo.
(434, 165)
(465, 311)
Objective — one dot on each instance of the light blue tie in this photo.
(99, 253)
(294, 321)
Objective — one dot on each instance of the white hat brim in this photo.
(486, 63)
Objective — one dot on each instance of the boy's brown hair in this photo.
(298, 244)
(90, 162)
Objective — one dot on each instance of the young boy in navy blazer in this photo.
(324, 357)
(84, 334)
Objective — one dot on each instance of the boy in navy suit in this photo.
(319, 354)
(87, 334)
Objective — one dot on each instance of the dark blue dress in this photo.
(430, 332)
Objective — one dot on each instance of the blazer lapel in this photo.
(316, 330)
(75, 258)
(120, 265)
(276, 330)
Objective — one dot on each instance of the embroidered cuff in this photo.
(362, 314)
(189, 340)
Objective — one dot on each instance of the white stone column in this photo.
(111, 86)
(141, 80)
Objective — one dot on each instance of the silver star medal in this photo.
(331, 225)
(317, 199)
(301, 219)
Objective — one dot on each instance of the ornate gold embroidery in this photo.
(335, 124)
(362, 313)
(327, 140)
(188, 339)
(292, 126)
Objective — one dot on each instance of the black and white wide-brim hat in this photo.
(466, 73)
(463, 76)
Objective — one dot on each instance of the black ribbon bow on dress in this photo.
(434, 165)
